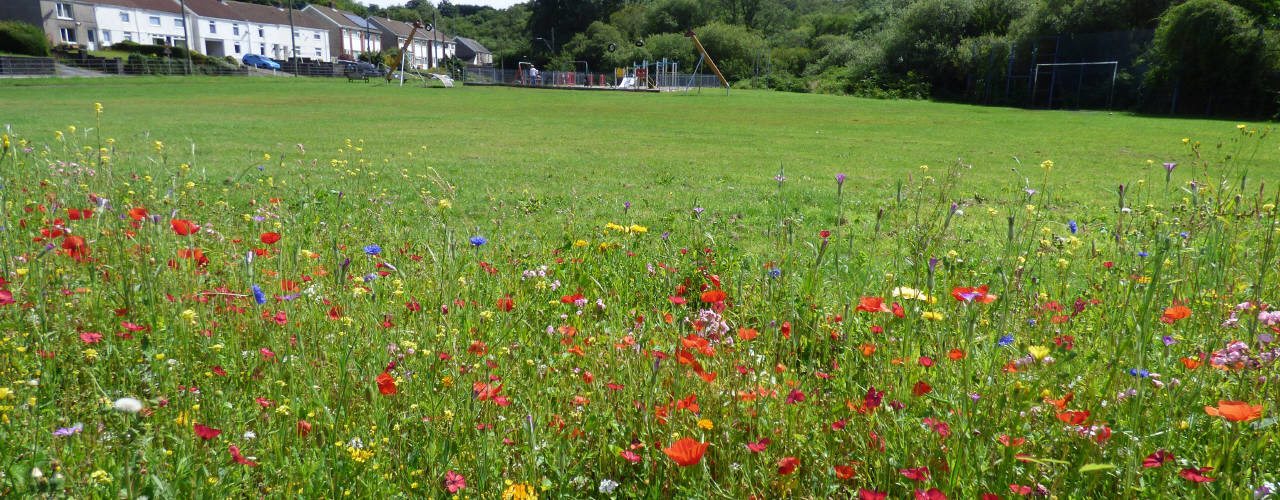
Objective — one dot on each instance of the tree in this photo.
(559, 20)
(1212, 53)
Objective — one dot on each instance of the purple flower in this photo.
(478, 241)
(373, 249)
(1169, 166)
(840, 179)
(68, 431)
(1168, 340)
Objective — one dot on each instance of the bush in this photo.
(1214, 59)
(21, 38)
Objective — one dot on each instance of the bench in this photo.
(354, 74)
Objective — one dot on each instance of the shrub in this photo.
(1214, 57)
(21, 38)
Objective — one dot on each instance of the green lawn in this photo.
(321, 289)
(601, 148)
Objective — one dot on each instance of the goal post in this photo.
(1035, 78)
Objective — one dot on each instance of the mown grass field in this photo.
(302, 288)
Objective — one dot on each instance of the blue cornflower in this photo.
(1071, 224)
(1139, 373)
(1143, 254)
(478, 240)
(775, 272)
(1005, 340)
(373, 249)
(258, 296)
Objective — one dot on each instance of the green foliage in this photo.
(675, 16)
(160, 51)
(736, 50)
(1211, 49)
(17, 37)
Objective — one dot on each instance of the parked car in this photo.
(361, 68)
(258, 61)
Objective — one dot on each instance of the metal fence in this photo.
(568, 79)
(26, 66)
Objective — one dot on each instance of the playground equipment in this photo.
(647, 75)
(397, 65)
(704, 56)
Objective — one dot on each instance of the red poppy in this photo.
(971, 294)
(745, 334)
(386, 384)
(787, 465)
(915, 474)
(1197, 475)
(1174, 313)
(137, 213)
(1191, 363)
(955, 355)
(686, 451)
(79, 213)
(824, 234)
(304, 428)
(898, 311)
(630, 456)
(205, 432)
(269, 238)
(1074, 417)
(506, 303)
(872, 305)
(865, 494)
(569, 299)
(844, 472)
(676, 300)
(91, 337)
(930, 494)
(6, 297)
(1011, 442)
(1160, 457)
(238, 458)
(758, 446)
(921, 388)
(76, 248)
(1235, 411)
(183, 227)
(713, 296)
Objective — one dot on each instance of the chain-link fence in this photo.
(487, 75)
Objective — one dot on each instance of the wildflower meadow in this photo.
(323, 322)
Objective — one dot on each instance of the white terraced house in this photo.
(153, 22)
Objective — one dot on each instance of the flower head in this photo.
(478, 241)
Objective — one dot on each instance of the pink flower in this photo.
(454, 482)
(91, 337)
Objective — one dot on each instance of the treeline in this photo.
(1193, 56)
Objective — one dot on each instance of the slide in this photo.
(628, 83)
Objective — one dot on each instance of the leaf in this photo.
(1095, 467)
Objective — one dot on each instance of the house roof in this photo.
(212, 8)
(266, 14)
(155, 5)
(473, 45)
(402, 29)
(338, 17)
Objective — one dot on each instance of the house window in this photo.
(124, 16)
(262, 49)
(154, 20)
(159, 40)
(177, 22)
(316, 35)
(213, 27)
(106, 37)
(91, 36)
(68, 35)
(237, 48)
(318, 54)
(64, 10)
(261, 32)
(235, 29)
(128, 37)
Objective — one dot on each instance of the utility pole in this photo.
(435, 24)
(186, 34)
(293, 40)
